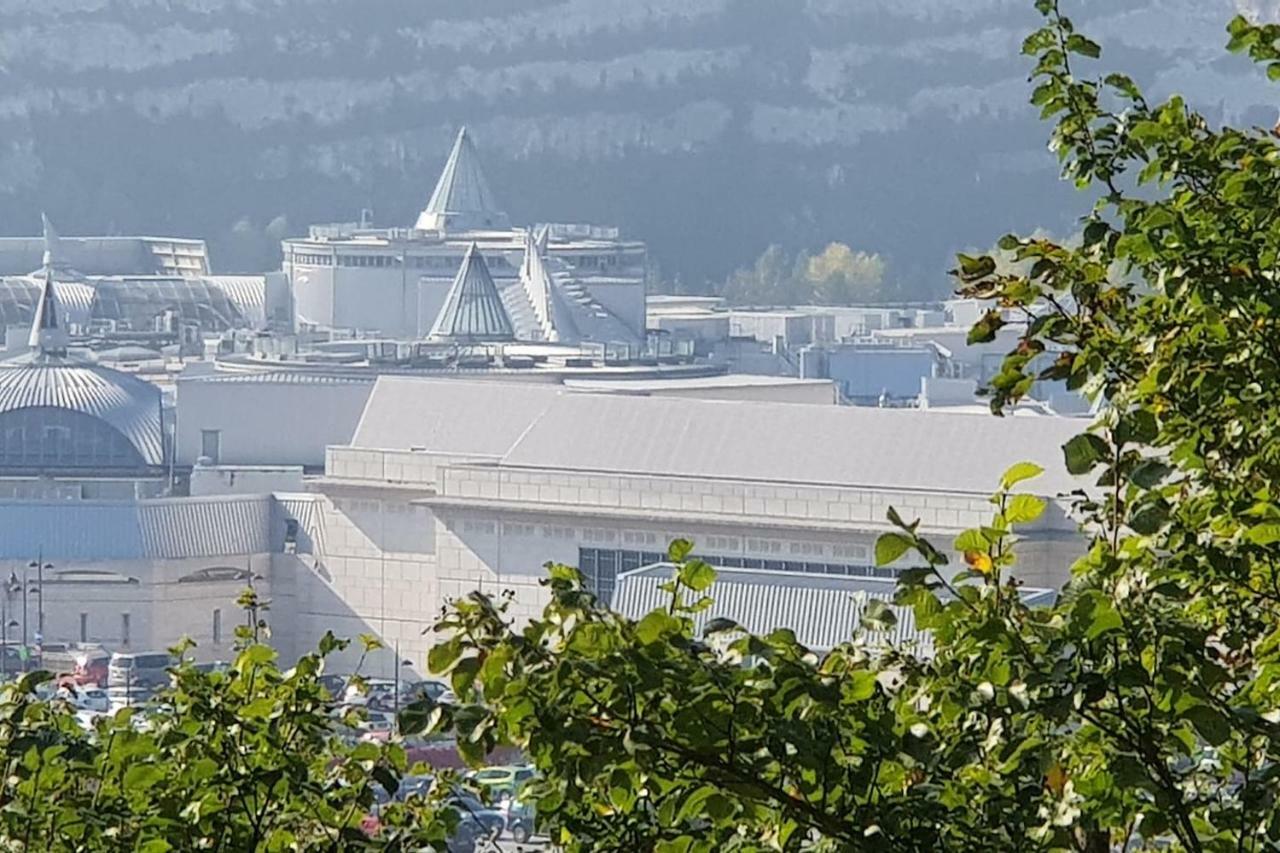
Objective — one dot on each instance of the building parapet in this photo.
(756, 503)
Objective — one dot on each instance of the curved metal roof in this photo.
(126, 403)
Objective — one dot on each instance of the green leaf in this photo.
(1150, 474)
(1084, 452)
(891, 546)
(975, 268)
(656, 626)
(1024, 509)
(258, 708)
(442, 656)
(971, 540)
(1019, 473)
(1105, 618)
(720, 626)
(861, 685)
(1267, 533)
(1077, 43)
(984, 331)
(678, 550)
(697, 575)
(878, 616)
(1209, 724)
(142, 777)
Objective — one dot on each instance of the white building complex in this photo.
(574, 283)
(447, 486)
(452, 486)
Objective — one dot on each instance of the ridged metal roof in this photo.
(128, 404)
(172, 528)
(822, 610)
(281, 378)
(473, 309)
(462, 200)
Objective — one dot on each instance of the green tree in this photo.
(243, 760)
(1141, 711)
(841, 276)
(836, 276)
(772, 280)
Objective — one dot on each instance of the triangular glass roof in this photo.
(473, 309)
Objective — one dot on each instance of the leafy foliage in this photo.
(1140, 711)
(247, 759)
(836, 276)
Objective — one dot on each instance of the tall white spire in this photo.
(462, 200)
(48, 337)
(52, 243)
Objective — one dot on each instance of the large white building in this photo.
(449, 486)
(394, 281)
(452, 486)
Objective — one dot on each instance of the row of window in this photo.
(600, 567)
(428, 262)
(28, 440)
(126, 629)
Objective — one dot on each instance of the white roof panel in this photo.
(781, 442)
(450, 415)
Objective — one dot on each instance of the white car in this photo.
(122, 697)
(376, 721)
(88, 719)
(91, 699)
(374, 690)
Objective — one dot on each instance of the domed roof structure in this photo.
(57, 412)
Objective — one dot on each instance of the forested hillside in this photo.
(711, 128)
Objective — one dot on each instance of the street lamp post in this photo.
(40, 565)
(400, 662)
(6, 623)
(23, 584)
(4, 634)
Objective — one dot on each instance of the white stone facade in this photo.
(405, 532)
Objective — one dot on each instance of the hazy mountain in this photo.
(709, 127)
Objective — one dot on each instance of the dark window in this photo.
(84, 627)
(601, 566)
(124, 629)
(211, 444)
(217, 626)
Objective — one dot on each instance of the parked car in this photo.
(376, 722)
(373, 691)
(413, 786)
(91, 699)
(143, 669)
(127, 697)
(520, 820)
(16, 658)
(471, 809)
(335, 684)
(425, 689)
(213, 666)
(87, 720)
(503, 779)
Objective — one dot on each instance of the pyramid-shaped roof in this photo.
(473, 309)
(48, 337)
(548, 303)
(462, 200)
